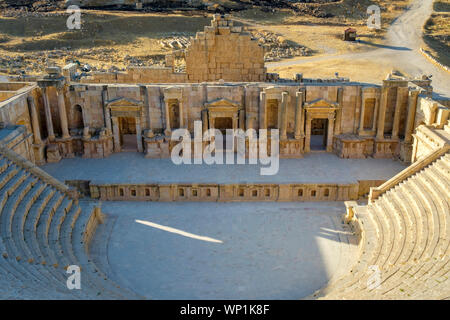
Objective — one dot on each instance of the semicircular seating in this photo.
(43, 231)
(405, 241)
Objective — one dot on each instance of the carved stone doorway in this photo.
(127, 130)
(319, 134)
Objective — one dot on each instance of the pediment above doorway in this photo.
(222, 105)
(321, 105)
(124, 107)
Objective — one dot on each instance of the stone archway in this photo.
(126, 124)
(223, 114)
(321, 112)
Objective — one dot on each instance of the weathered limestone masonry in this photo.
(232, 192)
(224, 51)
(224, 87)
(221, 52)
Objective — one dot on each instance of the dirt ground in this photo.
(112, 40)
(360, 70)
(437, 32)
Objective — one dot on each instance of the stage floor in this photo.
(133, 167)
(224, 250)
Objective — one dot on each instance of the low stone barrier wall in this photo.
(96, 218)
(433, 60)
(231, 192)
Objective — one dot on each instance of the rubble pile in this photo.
(278, 47)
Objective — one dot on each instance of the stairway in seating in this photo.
(406, 236)
(44, 229)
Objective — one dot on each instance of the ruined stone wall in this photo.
(14, 110)
(138, 75)
(195, 96)
(224, 51)
(221, 52)
(88, 110)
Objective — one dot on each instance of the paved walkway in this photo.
(261, 250)
(130, 167)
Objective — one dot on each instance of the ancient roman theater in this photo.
(358, 208)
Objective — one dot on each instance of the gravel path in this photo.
(401, 49)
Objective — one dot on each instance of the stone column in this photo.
(308, 133)
(63, 114)
(242, 119)
(330, 135)
(235, 122)
(412, 105)
(283, 122)
(107, 113)
(34, 121)
(262, 111)
(414, 150)
(116, 137)
(337, 125)
(180, 108)
(382, 113)
(375, 112)
(362, 114)
(204, 120)
(298, 115)
(139, 135)
(166, 109)
(48, 116)
(398, 105)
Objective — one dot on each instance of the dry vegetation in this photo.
(31, 37)
(437, 32)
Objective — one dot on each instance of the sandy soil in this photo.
(117, 39)
(437, 32)
(399, 51)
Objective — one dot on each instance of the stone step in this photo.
(15, 193)
(18, 223)
(49, 200)
(106, 288)
(16, 203)
(421, 234)
(54, 230)
(442, 206)
(389, 233)
(413, 231)
(65, 239)
(52, 220)
(361, 282)
(42, 229)
(440, 180)
(6, 175)
(4, 164)
(6, 261)
(19, 237)
(421, 217)
(431, 208)
(33, 219)
(408, 227)
(370, 251)
(398, 220)
(15, 227)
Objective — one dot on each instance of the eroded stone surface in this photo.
(269, 250)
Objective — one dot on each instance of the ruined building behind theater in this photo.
(225, 86)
